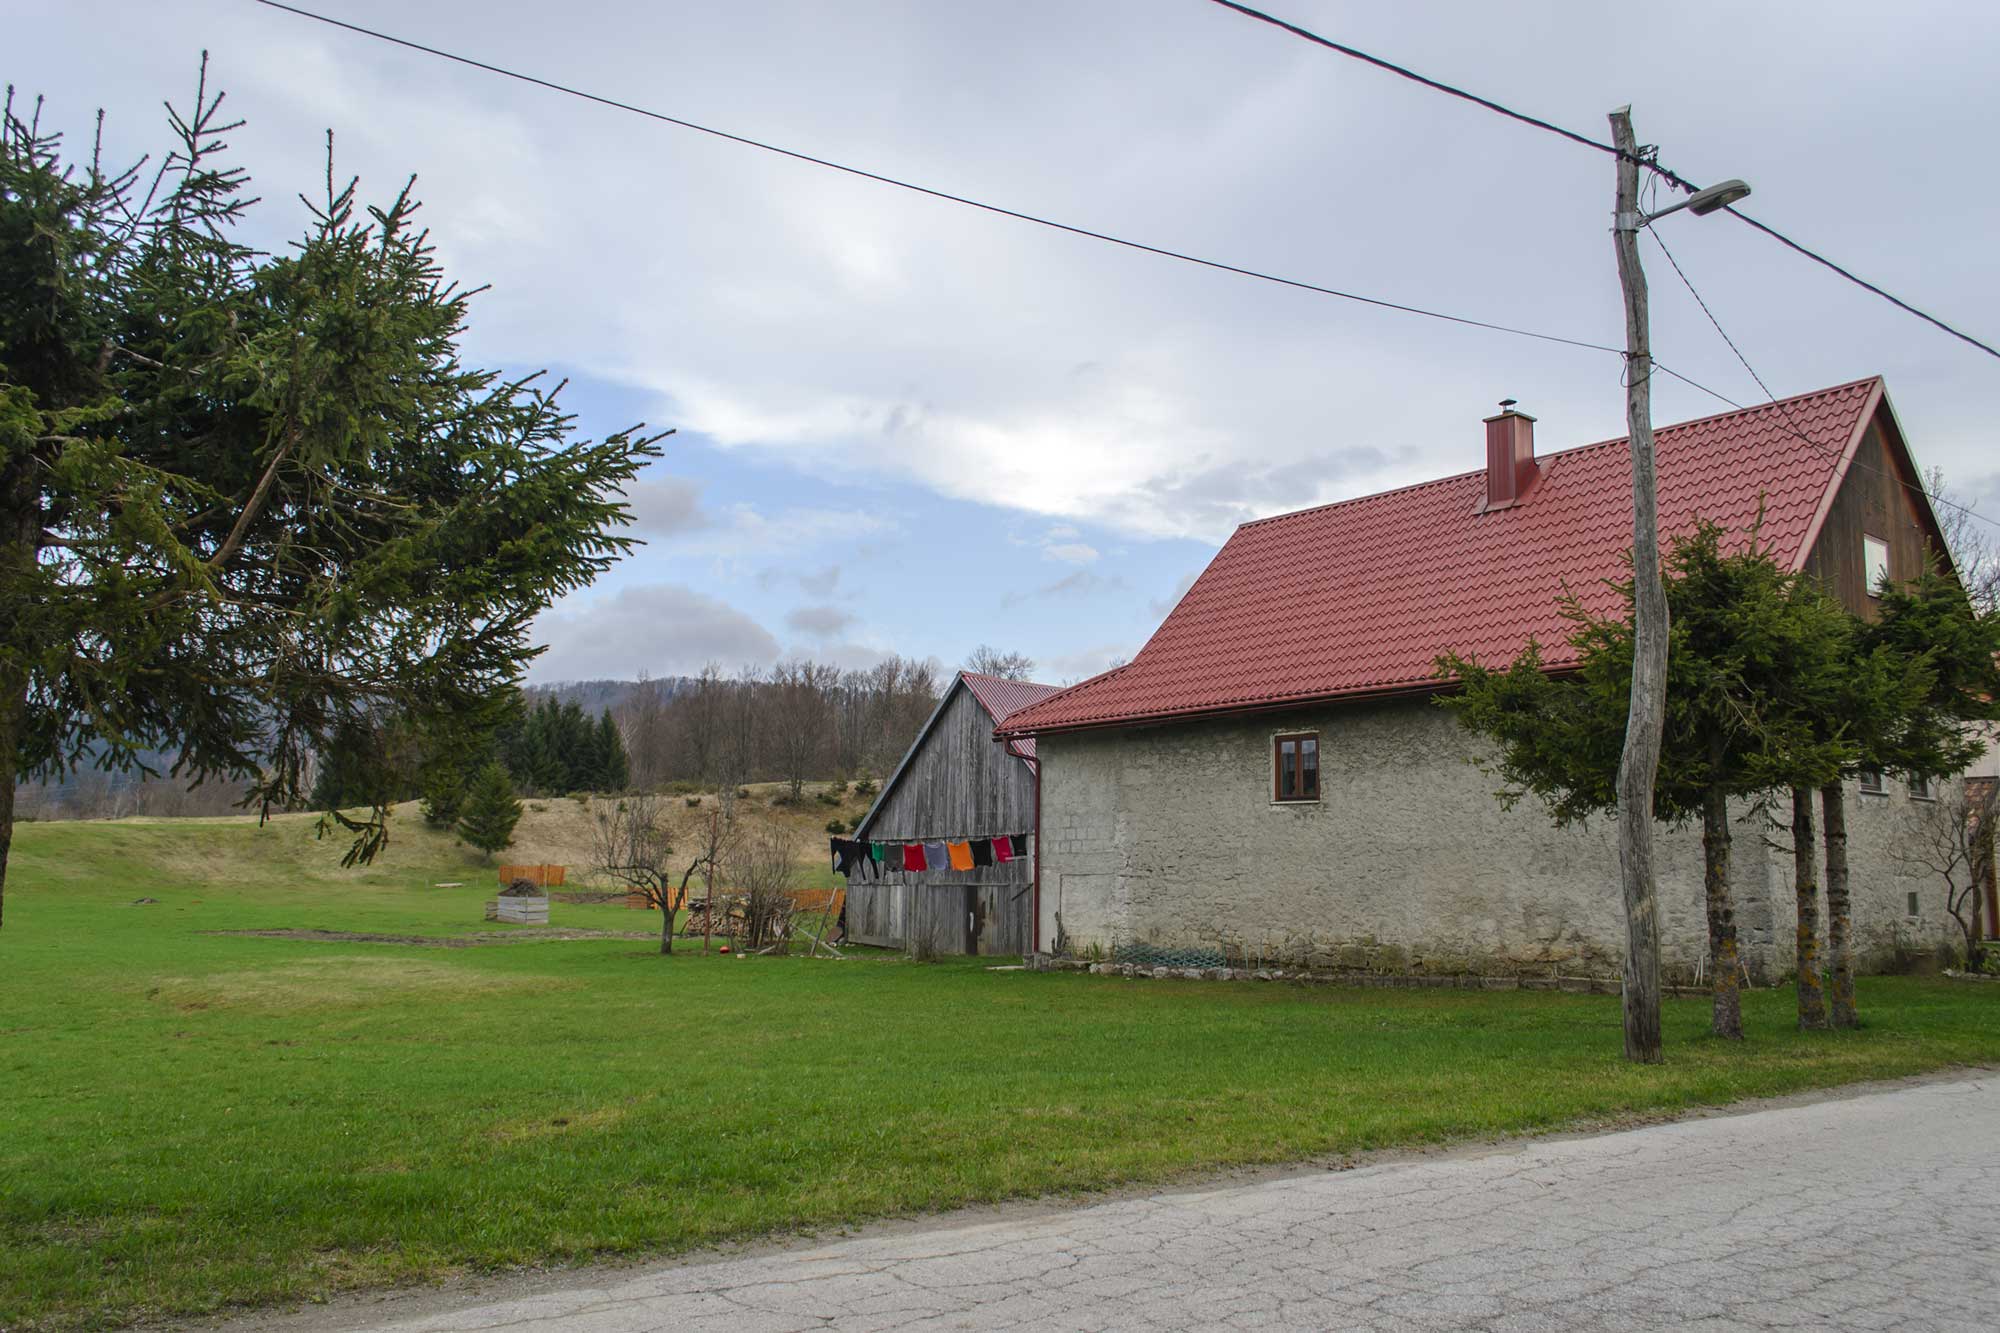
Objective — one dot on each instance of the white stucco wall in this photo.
(1167, 836)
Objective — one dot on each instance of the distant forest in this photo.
(793, 723)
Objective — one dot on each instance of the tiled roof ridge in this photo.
(1273, 621)
(1553, 454)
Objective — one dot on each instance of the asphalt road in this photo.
(1876, 1211)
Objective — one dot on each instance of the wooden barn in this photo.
(956, 782)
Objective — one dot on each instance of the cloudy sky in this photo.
(907, 426)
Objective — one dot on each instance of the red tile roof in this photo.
(1360, 597)
(1002, 698)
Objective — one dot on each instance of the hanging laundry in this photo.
(935, 854)
(875, 852)
(914, 858)
(961, 855)
(1020, 843)
(1003, 851)
(982, 851)
(843, 856)
(892, 856)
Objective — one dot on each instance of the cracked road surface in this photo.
(1869, 1212)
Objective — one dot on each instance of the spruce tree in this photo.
(491, 811)
(1735, 726)
(1919, 678)
(249, 494)
(614, 766)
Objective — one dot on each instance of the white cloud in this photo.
(665, 506)
(847, 328)
(822, 622)
(1071, 553)
(663, 629)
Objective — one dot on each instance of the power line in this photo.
(1861, 282)
(948, 197)
(1650, 164)
(1401, 71)
(1785, 410)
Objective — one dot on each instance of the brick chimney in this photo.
(1510, 456)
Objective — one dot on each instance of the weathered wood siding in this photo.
(958, 783)
(1873, 501)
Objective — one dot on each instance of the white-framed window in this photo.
(1871, 782)
(1922, 789)
(1874, 564)
(1916, 908)
(1295, 766)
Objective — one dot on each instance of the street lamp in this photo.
(1701, 203)
(1645, 718)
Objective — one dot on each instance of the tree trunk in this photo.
(1805, 891)
(666, 923)
(1839, 912)
(20, 550)
(1722, 952)
(12, 706)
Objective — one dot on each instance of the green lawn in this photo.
(190, 1120)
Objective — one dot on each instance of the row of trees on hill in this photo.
(796, 721)
(1776, 694)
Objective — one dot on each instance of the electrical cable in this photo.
(1260, 275)
(1785, 410)
(948, 197)
(1644, 160)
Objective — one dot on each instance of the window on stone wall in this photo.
(1916, 909)
(1922, 789)
(1871, 781)
(1874, 564)
(1295, 763)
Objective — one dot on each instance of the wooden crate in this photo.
(520, 911)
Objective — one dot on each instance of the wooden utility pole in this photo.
(1639, 764)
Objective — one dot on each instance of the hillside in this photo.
(236, 850)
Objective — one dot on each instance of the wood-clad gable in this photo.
(1880, 496)
(956, 782)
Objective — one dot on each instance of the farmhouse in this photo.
(956, 782)
(1270, 775)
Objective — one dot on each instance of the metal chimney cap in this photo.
(1507, 404)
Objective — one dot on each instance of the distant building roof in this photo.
(1361, 597)
(1003, 698)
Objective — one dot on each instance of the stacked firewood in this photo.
(732, 919)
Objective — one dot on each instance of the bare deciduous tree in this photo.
(763, 873)
(643, 719)
(1952, 837)
(1973, 540)
(801, 697)
(632, 841)
(986, 660)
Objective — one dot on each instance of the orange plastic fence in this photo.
(804, 900)
(549, 877)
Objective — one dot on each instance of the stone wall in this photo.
(1167, 837)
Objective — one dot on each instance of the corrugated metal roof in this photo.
(1360, 597)
(1002, 698)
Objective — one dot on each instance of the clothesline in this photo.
(871, 858)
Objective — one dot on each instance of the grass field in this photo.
(191, 1120)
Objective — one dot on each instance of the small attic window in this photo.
(1874, 564)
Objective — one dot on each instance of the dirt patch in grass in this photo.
(441, 941)
(340, 983)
